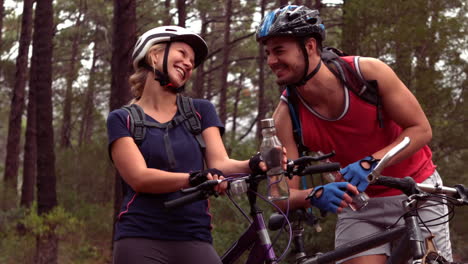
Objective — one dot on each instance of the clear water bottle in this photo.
(360, 200)
(271, 151)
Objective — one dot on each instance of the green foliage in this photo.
(21, 226)
(57, 221)
(424, 42)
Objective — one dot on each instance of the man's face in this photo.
(285, 59)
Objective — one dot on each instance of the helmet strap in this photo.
(306, 77)
(163, 77)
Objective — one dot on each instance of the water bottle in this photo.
(360, 200)
(271, 152)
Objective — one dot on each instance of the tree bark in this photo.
(262, 106)
(235, 112)
(123, 40)
(181, 10)
(2, 14)
(65, 141)
(168, 19)
(30, 151)
(197, 90)
(41, 80)
(282, 2)
(17, 100)
(225, 67)
(87, 120)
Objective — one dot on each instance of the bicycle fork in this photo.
(255, 237)
(414, 236)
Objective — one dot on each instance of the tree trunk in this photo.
(181, 10)
(41, 80)
(2, 14)
(65, 141)
(282, 2)
(318, 4)
(17, 100)
(30, 151)
(30, 147)
(123, 40)
(197, 90)
(235, 112)
(225, 66)
(168, 19)
(262, 107)
(46, 249)
(350, 33)
(87, 119)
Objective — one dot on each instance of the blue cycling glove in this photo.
(356, 174)
(331, 198)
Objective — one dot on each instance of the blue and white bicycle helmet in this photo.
(291, 20)
(296, 21)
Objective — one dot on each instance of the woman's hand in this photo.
(258, 166)
(220, 188)
(198, 177)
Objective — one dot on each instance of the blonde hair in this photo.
(138, 79)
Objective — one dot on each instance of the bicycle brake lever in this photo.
(204, 186)
(375, 174)
(463, 193)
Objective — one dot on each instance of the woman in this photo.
(146, 232)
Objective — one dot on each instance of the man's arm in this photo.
(400, 105)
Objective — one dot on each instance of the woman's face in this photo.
(180, 63)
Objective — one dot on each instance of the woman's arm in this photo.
(132, 167)
(216, 155)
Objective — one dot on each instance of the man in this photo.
(335, 119)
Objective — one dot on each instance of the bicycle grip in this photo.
(186, 199)
(407, 185)
(320, 168)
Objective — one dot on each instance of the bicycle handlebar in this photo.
(205, 189)
(407, 185)
(320, 168)
(372, 177)
(193, 194)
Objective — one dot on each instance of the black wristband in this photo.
(254, 164)
(198, 177)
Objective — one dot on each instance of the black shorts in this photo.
(148, 251)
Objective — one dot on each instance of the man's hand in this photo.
(356, 173)
(332, 197)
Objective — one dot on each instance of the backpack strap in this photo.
(367, 90)
(293, 101)
(192, 118)
(138, 124)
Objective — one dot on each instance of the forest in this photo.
(64, 65)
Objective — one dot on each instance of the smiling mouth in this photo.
(181, 72)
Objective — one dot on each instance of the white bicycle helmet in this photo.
(169, 34)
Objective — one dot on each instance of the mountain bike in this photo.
(256, 237)
(412, 245)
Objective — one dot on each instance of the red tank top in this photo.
(355, 135)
